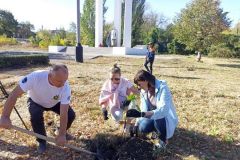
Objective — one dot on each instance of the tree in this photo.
(72, 27)
(236, 29)
(88, 22)
(8, 24)
(24, 30)
(137, 21)
(200, 24)
(152, 20)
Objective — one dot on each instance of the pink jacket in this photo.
(114, 95)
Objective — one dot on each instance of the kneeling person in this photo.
(47, 91)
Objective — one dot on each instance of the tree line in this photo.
(202, 26)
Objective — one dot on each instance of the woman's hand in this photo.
(148, 114)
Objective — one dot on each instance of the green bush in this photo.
(221, 51)
(8, 60)
(7, 41)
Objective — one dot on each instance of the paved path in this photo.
(88, 53)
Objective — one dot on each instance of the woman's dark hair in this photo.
(115, 69)
(143, 75)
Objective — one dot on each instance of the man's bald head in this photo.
(58, 75)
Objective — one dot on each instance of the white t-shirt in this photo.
(39, 89)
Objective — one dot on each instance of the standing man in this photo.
(48, 90)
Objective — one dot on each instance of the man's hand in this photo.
(105, 114)
(5, 122)
(61, 140)
(135, 113)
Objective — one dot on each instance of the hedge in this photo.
(9, 60)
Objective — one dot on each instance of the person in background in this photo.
(150, 57)
(114, 94)
(157, 108)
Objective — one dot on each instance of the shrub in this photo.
(8, 60)
(7, 41)
(44, 43)
(221, 51)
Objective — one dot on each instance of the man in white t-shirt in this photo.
(47, 91)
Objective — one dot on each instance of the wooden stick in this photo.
(50, 139)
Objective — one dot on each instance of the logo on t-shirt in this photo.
(24, 80)
(56, 97)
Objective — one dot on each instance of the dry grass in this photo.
(207, 98)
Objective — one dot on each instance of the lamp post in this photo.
(79, 48)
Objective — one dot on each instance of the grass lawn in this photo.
(206, 95)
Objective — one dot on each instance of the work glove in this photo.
(105, 114)
(126, 103)
(135, 113)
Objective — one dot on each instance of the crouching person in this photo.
(114, 94)
(47, 91)
(157, 109)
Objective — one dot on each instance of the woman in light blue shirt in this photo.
(157, 109)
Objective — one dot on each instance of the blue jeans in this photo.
(149, 125)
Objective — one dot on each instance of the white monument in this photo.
(99, 23)
(127, 33)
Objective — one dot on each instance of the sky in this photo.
(52, 14)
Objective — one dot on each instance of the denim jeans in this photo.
(37, 120)
(149, 125)
(151, 64)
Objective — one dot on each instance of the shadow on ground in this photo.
(184, 144)
(229, 65)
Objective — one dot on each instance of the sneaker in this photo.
(42, 146)
(161, 145)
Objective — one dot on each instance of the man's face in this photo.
(59, 78)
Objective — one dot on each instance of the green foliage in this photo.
(24, 30)
(7, 41)
(88, 23)
(137, 21)
(8, 24)
(175, 47)
(23, 60)
(200, 24)
(44, 38)
(221, 50)
(131, 97)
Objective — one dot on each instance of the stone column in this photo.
(117, 20)
(127, 35)
(98, 23)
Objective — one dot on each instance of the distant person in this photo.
(158, 112)
(150, 57)
(199, 56)
(48, 90)
(114, 94)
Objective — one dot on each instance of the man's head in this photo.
(58, 75)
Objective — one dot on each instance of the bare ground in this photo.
(207, 98)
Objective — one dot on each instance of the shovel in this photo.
(50, 139)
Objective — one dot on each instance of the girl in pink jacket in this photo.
(114, 94)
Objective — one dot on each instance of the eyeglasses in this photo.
(116, 79)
